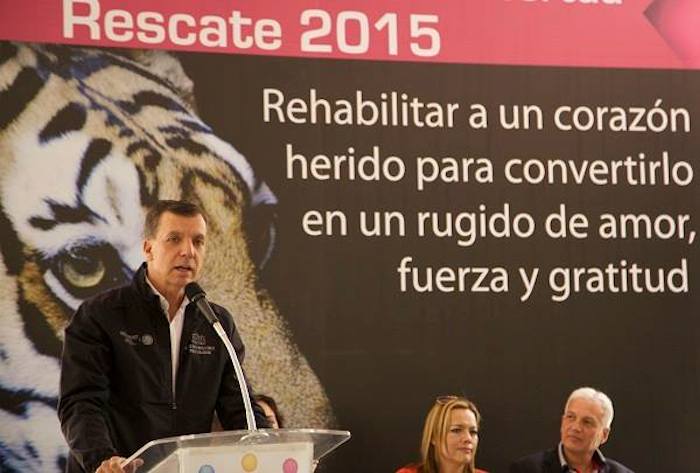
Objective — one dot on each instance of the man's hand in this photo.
(114, 465)
(111, 465)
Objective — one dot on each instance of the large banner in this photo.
(493, 198)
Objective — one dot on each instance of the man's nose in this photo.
(187, 248)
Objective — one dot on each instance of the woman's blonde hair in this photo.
(437, 423)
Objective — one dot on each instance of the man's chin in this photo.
(183, 279)
(573, 446)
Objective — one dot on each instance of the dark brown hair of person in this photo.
(177, 207)
(273, 405)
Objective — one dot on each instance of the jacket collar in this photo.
(142, 287)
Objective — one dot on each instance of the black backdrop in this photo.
(382, 354)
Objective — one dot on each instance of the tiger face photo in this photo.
(89, 140)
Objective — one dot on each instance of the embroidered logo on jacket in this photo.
(198, 345)
(133, 340)
(130, 339)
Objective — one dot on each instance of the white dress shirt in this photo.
(176, 325)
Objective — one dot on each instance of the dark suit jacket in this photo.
(548, 462)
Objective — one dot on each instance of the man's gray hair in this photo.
(595, 396)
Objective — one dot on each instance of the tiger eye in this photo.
(83, 272)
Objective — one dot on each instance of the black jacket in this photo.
(548, 462)
(116, 377)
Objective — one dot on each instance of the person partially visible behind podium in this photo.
(450, 438)
(140, 363)
(272, 412)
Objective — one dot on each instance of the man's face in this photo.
(582, 428)
(176, 253)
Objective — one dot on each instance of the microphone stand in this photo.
(242, 384)
(195, 294)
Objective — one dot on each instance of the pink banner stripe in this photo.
(593, 33)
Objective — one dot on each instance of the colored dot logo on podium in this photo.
(206, 469)
(290, 466)
(249, 462)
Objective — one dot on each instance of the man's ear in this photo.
(606, 434)
(147, 249)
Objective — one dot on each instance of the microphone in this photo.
(197, 295)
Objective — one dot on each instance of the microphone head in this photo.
(194, 292)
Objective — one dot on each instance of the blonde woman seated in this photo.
(450, 438)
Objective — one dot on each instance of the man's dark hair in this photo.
(177, 207)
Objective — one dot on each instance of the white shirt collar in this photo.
(164, 302)
(598, 455)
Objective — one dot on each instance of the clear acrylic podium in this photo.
(238, 451)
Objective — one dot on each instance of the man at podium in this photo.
(139, 362)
